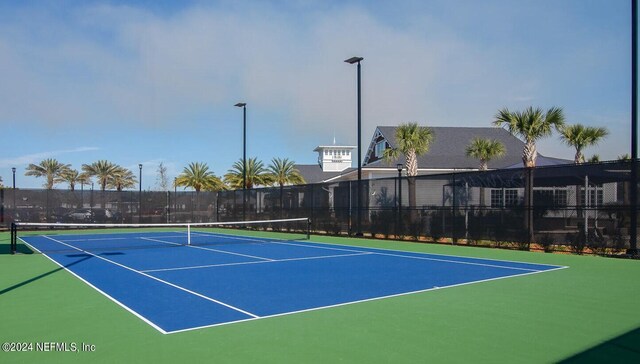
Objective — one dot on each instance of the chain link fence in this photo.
(573, 208)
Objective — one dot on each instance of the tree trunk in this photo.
(483, 167)
(528, 204)
(412, 172)
(579, 158)
(529, 155)
(413, 213)
(281, 201)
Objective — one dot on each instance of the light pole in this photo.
(356, 60)
(399, 167)
(633, 229)
(243, 105)
(13, 170)
(140, 195)
(91, 200)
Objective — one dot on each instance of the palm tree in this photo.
(283, 171)
(594, 159)
(198, 177)
(624, 157)
(84, 179)
(122, 178)
(580, 137)
(49, 168)
(257, 174)
(103, 170)
(70, 176)
(531, 125)
(413, 140)
(485, 150)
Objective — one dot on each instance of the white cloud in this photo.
(38, 157)
(121, 65)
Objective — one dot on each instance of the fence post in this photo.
(1, 205)
(217, 206)
(399, 228)
(587, 198)
(312, 200)
(454, 210)
(14, 238)
(633, 229)
(528, 190)
(350, 208)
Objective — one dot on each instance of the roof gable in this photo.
(448, 148)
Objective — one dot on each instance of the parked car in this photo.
(81, 215)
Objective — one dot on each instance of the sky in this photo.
(156, 81)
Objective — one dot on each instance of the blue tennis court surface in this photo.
(176, 287)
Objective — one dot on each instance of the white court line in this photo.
(363, 300)
(403, 256)
(123, 238)
(213, 250)
(434, 259)
(232, 253)
(458, 262)
(158, 279)
(92, 239)
(160, 241)
(99, 290)
(272, 241)
(442, 255)
(258, 262)
(255, 317)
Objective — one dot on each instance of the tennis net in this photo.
(54, 237)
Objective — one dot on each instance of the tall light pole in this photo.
(243, 105)
(91, 200)
(633, 229)
(399, 168)
(13, 170)
(175, 198)
(140, 195)
(356, 60)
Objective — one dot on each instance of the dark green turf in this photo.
(585, 313)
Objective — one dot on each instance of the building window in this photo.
(504, 197)
(596, 196)
(380, 148)
(560, 198)
(496, 198)
(510, 197)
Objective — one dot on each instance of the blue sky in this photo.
(155, 81)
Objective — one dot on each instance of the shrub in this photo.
(577, 242)
(597, 243)
(546, 242)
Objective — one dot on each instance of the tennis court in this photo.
(179, 280)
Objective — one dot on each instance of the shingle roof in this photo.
(447, 150)
(313, 173)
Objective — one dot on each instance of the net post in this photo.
(188, 234)
(14, 239)
(308, 229)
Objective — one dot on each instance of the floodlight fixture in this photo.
(353, 60)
